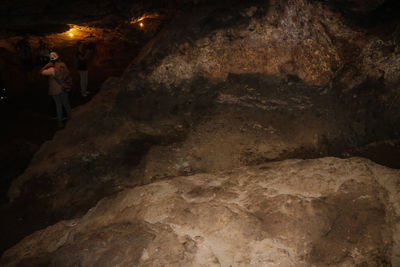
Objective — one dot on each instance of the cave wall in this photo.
(206, 94)
(200, 49)
(303, 38)
(306, 40)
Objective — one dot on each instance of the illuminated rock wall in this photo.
(323, 212)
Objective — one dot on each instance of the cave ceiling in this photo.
(48, 16)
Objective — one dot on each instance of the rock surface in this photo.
(323, 212)
(202, 86)
(214, 90)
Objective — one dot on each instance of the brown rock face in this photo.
(295, 40)
(292, 213)
(304, 39)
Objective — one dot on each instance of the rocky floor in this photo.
(202, 135)
(292, 213)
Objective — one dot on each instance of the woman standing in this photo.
(82, 56)
(53, 69)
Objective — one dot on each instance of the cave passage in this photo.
(27, 113)
(269, 97)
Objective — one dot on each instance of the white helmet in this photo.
(53, 56)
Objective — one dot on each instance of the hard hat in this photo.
(53, 56)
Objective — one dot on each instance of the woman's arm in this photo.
(47, 69)
(48, 65)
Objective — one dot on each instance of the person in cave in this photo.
(60, 96)
(44, 53)
(3, 95)
(82, 57)
(25, 53)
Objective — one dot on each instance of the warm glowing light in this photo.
(141, 24)
(145, 16)
(77, 32)
(72, 31)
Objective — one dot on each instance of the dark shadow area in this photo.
(28, 119)
(379, 19)
(39, 30)
(360, 121)
(16, 15)
(35, 211)
(384, 153)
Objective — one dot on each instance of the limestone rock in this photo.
(323, 212)
(302, 38)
